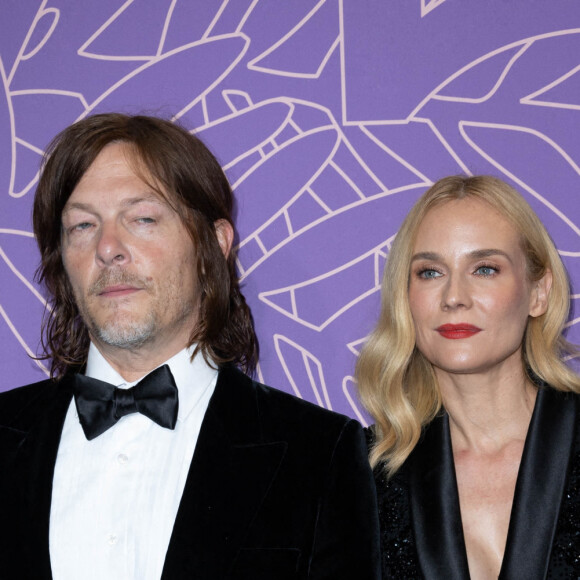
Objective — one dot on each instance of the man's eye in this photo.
(80, 227)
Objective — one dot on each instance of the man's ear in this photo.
(540, 294)
(225, 235)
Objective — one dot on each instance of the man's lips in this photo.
(118, 290)
(454, 331)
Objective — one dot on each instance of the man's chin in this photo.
(124, 334)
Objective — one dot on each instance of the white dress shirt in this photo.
(115, 498)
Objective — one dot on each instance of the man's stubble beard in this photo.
(130, 335)
(126, 330)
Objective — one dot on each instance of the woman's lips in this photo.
(454, 331)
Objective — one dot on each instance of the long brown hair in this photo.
(397, 384)
(181, 169)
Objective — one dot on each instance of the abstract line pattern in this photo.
(330, 119)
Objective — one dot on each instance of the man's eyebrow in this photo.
(476, 255)
(130, 201)
(143, 199)
(75, 205)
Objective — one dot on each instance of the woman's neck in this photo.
(487, 411)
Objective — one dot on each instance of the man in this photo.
(198, 471)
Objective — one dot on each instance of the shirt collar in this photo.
(192, 377)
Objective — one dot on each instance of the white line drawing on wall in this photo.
(319, 197)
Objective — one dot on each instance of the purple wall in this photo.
(330, 118)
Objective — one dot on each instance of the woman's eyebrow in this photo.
(487, 253)
(475, 254)
(426, 256)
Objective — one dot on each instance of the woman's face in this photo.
(469, 292)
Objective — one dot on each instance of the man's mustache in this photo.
(116, 277)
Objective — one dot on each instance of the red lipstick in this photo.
(455, 331)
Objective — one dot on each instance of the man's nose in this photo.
(111, 248)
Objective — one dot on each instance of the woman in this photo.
(476, 443)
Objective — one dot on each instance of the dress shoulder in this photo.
(398, 551)
(565, 556)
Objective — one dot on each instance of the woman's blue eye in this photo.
(486, 271)
(429, 273)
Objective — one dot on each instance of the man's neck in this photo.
(132, 364)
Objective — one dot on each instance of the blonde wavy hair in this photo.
(397, 385)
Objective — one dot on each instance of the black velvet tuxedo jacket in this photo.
(421, 531)
(278, 488)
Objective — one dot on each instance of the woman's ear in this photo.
(225, 235)
(540, 294)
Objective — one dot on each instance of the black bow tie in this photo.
(100, 405)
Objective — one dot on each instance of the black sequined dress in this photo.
(421, 532)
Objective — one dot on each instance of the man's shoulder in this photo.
(17, 401)
(286, 411)
(314, 439)
(26, 393)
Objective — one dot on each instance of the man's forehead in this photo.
(119, 168)
(118, 156)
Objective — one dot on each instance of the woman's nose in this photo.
(456, 293)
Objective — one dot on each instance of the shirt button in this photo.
(122, 458)
(112, 539)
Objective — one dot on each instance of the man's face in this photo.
(129, 259)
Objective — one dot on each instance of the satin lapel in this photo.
(231, 472)
(31, 472)
(540, 486)
(435, 512)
